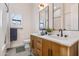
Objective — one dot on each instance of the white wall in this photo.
(3, 28)
(35, 16)
(0, 18)
(26, 11)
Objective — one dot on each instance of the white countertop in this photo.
(69, 41)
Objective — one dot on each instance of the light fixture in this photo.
(41, 5)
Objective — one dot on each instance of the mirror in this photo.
(71, 16)
(65, 16)
(58, 16)
(44, 18)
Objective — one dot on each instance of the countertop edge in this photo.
(68, 45)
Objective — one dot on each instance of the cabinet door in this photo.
(33, 44)
(47, 48)
(63, 51)
(39, 46)
(55, 49)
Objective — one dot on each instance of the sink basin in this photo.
(59, 37)
(56, 37)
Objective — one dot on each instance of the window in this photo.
(16, 19)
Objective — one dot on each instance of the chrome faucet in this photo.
(61, 31)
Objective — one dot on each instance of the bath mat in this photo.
(20, 49)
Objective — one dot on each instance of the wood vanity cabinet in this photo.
(54, 49)
(33, 44)
(51, 48)
(39, 46)
(36, 45)
(47, 51)
(44, 47)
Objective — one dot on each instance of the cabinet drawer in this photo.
(38, 48)
(39, 45)
(39, 52)
(39, 40)
(34, 52)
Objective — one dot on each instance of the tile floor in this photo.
(12, 52)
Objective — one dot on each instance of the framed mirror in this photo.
(71, 16)
(57, 16)
(65, 16)
(44, 18)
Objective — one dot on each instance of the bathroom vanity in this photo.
(51, 45)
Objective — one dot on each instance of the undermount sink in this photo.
(58, 37)
(55, 36)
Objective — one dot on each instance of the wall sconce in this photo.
(42, 6)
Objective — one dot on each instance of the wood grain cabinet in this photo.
(44, 47)
(47, 51)
(33, 44)
(36, 45)
(39, 46)
(55, 49)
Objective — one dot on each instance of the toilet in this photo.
(27, 46)
(26, 43)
